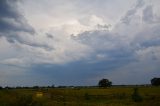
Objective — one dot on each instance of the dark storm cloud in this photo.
(102, 41)
(107, 46)
(76, 73)
(13, 26)
(6, 10)
(11, 19)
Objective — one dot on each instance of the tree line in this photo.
(106, 83)
(102, 83)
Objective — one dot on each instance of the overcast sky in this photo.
(79, 42)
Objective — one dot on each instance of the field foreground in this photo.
(114, 96)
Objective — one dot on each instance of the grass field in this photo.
(114, 96)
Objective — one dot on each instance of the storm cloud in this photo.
(44, 43)
(11, 20)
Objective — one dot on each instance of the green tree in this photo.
(104, 83)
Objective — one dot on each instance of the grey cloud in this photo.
(121, 55)
(140, 3)
(13, 26)
(135, 73)
(6, 10)
(107, 43)
(17, 38)
(149, 37)
(34, 44)
(10, 19)
(77, 73)
(104, 27)
(98, 37)
(116, 48)
(131, 13)
(128, 17)
(121, 67)
(49, 35)
(148, 14)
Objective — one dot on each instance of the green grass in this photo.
(114, 96)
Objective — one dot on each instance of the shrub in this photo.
(24, 100)
(86, 96)
(136, 97)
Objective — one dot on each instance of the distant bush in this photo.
(155, 81)
(136, 97)
(35, 87)
(7, 87)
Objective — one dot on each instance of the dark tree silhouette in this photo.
(104, 83)
(155, 81)
(1, 87)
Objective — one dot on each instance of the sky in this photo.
(79, 42)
